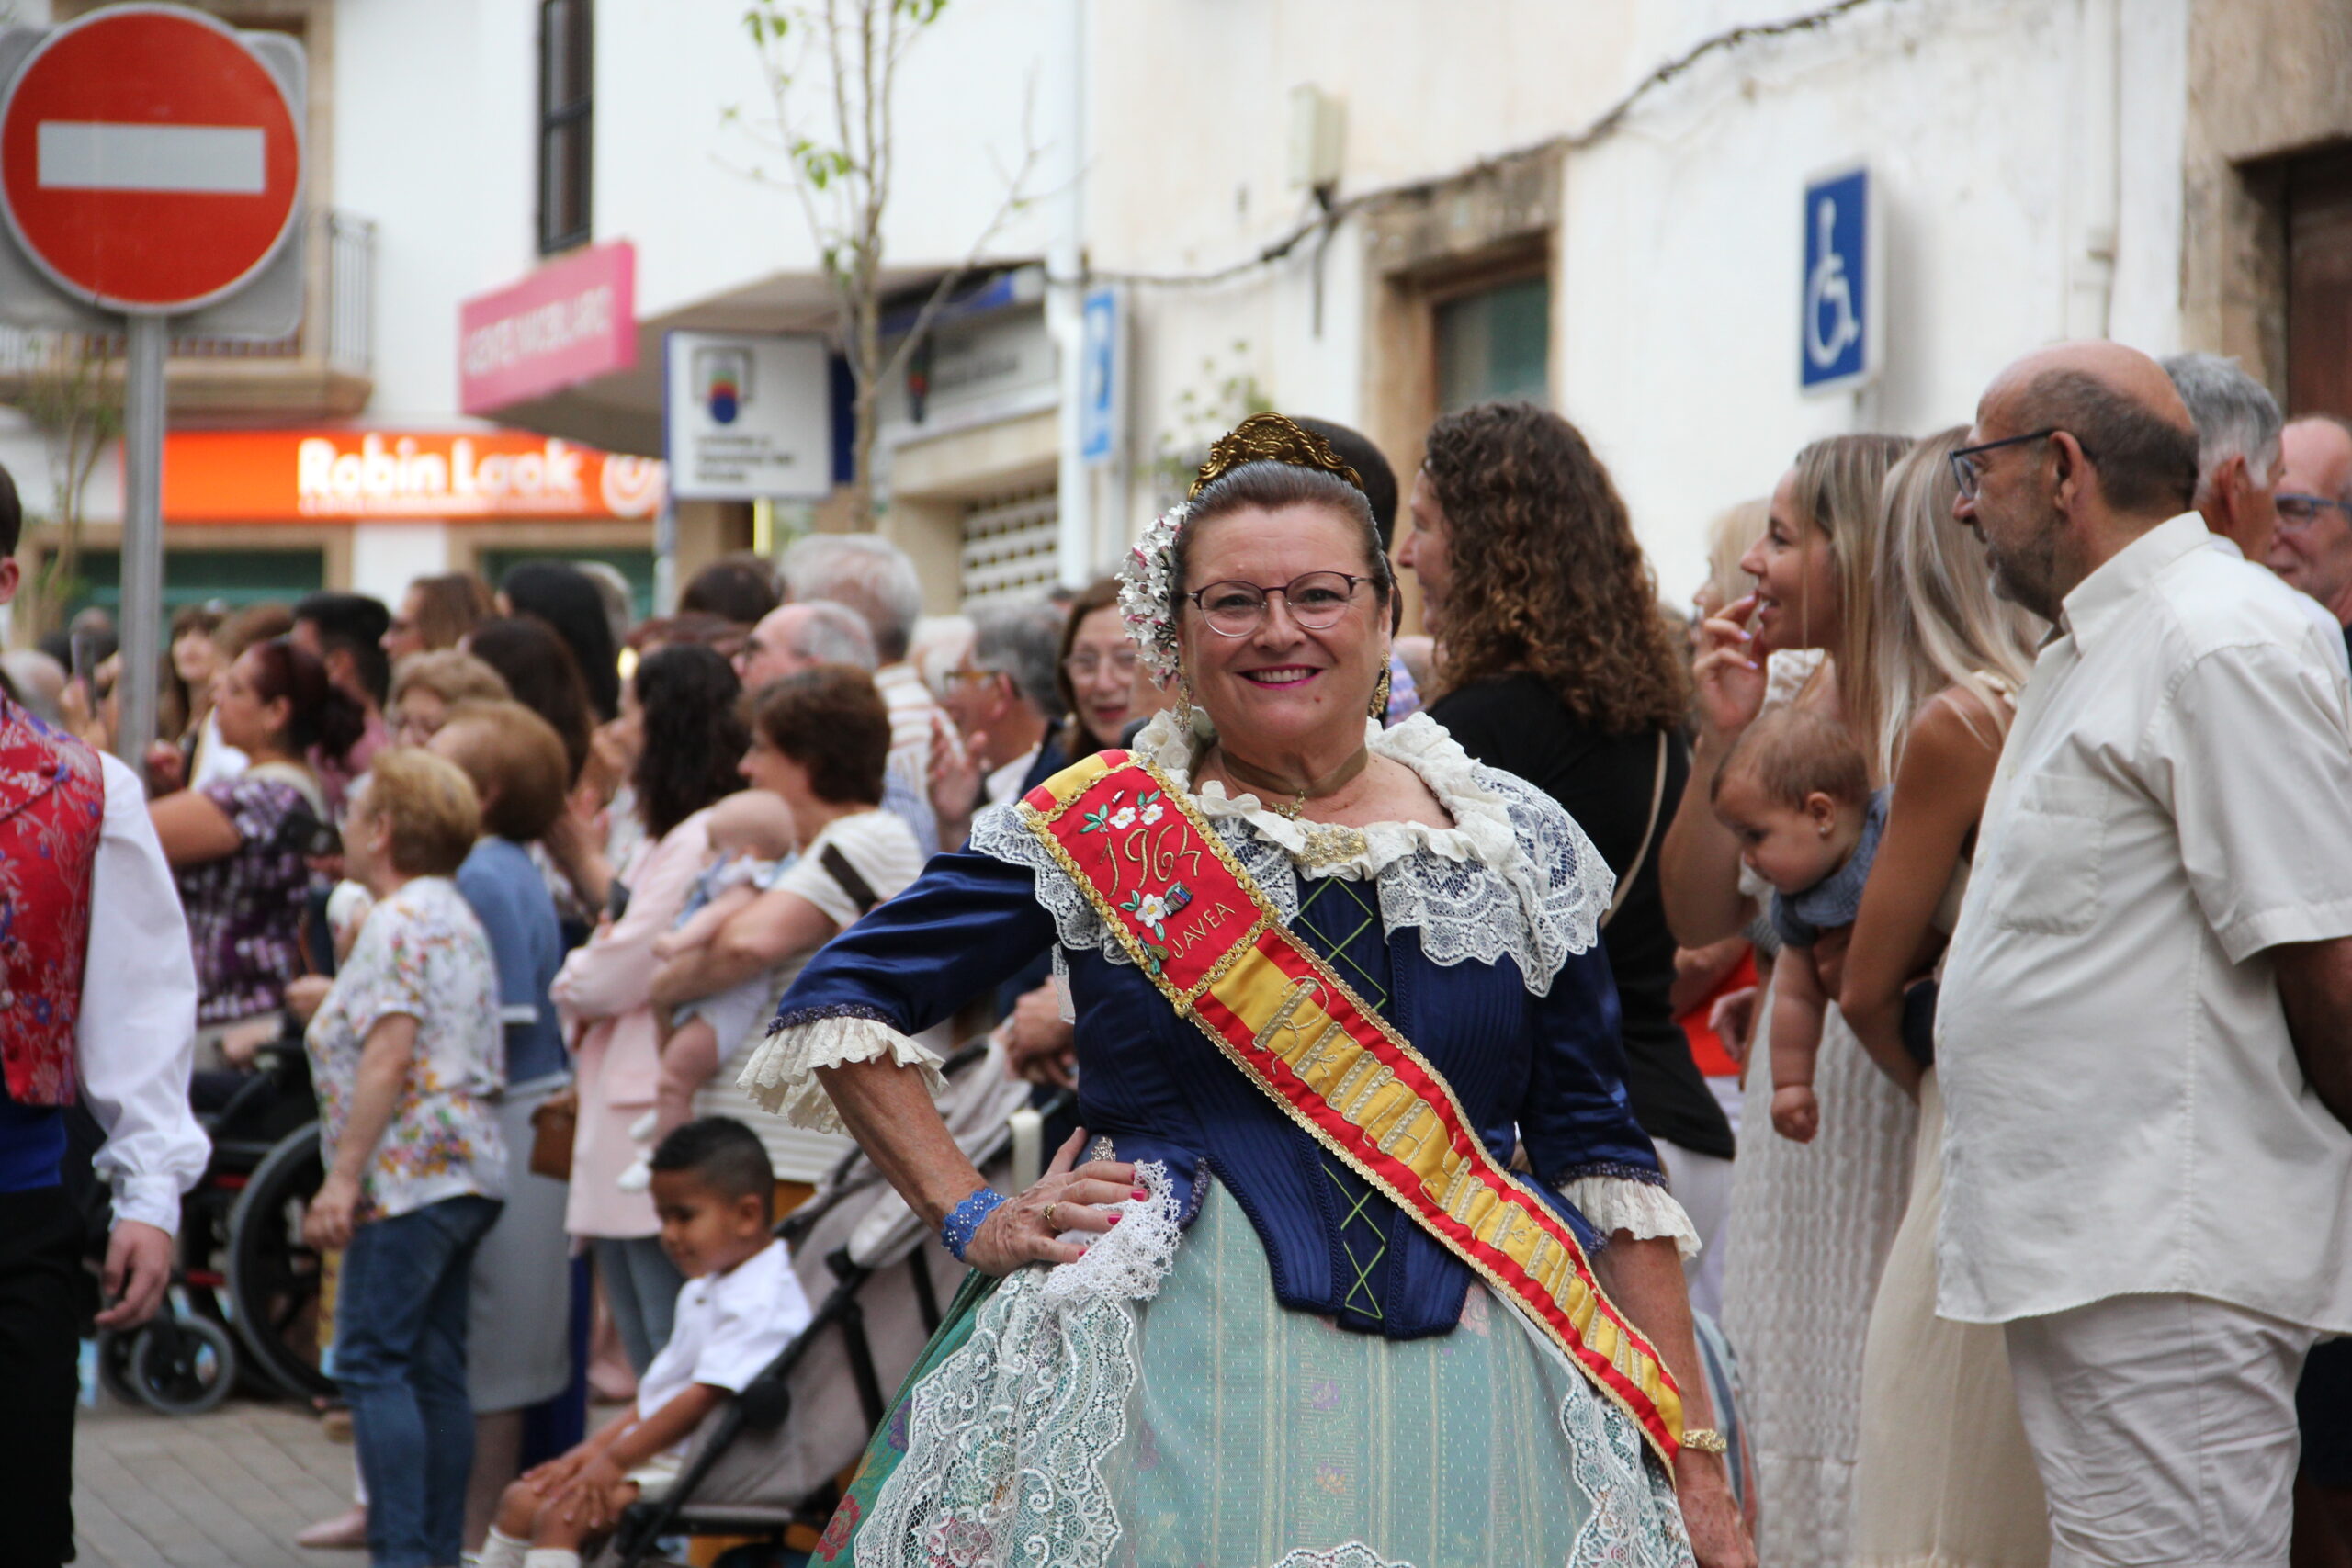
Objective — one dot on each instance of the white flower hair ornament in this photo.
(1146, 603)
(1148, 600)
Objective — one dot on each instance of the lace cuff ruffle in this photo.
(782, 1073)
(1641, 1209)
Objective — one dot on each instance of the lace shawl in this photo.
(1513, 877)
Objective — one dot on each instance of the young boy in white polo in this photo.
(740, 1305)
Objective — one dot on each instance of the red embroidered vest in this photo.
(53, 804)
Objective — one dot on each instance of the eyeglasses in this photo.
(960, 677)
(1968, 473)
(1317, 601)
(2298, 510)
(1086, 666)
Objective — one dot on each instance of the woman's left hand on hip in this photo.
(1067, 1197)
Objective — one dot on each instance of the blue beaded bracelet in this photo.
(964, 1220)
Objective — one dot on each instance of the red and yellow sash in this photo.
(1207, 935)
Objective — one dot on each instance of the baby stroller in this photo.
(880, 1279)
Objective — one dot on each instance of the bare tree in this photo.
(73, 395)
(832, 70)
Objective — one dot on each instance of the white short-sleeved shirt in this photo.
(728, 1326)
(880, 847)
(2124, 1110)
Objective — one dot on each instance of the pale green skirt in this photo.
(1070, 1416)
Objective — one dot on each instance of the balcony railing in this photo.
(338, 300)
(321, 370)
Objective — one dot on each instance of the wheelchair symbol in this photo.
(1828, 293)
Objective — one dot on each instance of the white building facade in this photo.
(1602, 206)
(1372, 210)
(456, 148)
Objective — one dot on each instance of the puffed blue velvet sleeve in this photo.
(961, 927)
(1578, 1120)
(969, 922)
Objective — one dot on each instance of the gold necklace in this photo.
(1265, 785)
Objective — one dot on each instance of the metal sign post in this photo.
(151, 169)
(141, 622)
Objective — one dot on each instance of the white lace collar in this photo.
(1512, 877)
(1482, 829)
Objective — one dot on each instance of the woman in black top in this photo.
(1556, 664)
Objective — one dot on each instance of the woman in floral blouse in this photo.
(238, 846)
(407, 1057)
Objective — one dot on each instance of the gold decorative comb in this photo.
(1270, 438)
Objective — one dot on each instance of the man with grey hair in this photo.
(2237, 448)
(2312, 548)
(1002, 694)
(871, 576)
(794, 636)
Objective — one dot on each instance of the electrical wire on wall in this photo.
(1329, 212)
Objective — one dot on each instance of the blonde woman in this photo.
(1944, 1474)
(428, 685)
(1810, 1223)
(1730, 536)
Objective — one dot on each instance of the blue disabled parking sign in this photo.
(1837, 347)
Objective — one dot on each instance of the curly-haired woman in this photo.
(1555, 664)
(682, 702)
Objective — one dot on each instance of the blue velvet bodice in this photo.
(1545, 1073)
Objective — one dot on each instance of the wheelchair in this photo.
(245, 1301)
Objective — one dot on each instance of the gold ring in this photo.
(1049, 1216)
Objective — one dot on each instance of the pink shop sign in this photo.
(569, 320)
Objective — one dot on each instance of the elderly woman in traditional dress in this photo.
(1298, 1304)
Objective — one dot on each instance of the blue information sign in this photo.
(1098, 405)
(1835, 347)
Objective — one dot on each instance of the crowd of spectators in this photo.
(635, 833)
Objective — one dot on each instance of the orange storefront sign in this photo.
(312, 476)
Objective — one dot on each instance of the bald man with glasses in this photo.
(2141, 1034)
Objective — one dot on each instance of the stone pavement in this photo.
(228, 1489)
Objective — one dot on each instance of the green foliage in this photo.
(831, 69)
(71, 394)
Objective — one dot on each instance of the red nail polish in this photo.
(1139, 1193)
(1116, 1218)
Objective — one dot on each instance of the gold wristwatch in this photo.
(1704, 1440)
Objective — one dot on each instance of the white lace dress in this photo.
(1154, 1404)
(1811, 1225)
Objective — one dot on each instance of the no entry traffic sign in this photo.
(149, 162)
